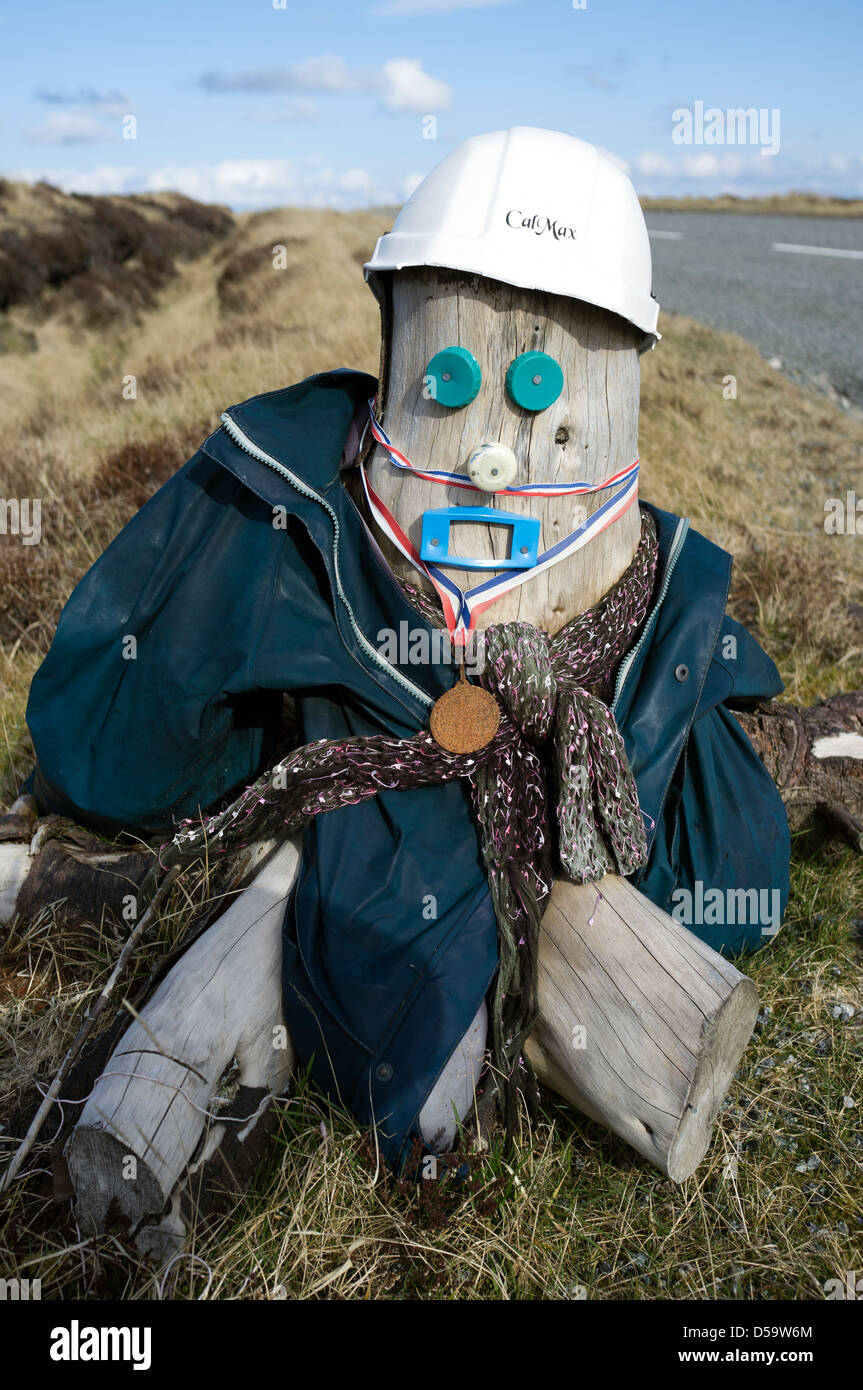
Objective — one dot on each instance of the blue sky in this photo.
(258, 103)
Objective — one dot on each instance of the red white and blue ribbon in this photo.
(462, 609)
(439, 475)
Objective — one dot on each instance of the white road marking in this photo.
(818, 250)
(838, 746)
(668, 236)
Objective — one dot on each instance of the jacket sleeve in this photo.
(149, 705)
(720, 858)
(741, 674)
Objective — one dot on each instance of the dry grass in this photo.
(772, 1213)
(754, 473)
(575, 1209)
(786, 204)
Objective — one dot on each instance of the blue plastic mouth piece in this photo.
(435, 538)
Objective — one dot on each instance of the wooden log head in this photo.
(588, 433)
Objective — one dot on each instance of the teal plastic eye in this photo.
(534, 380)
(453, 377)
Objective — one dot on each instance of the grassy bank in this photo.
(783, 204)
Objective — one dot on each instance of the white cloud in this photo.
(741, 171)
(407, 88)
(706, 165)
(703, 165)
(331, 73)
(327, 73)
(109, 103)
(356, 181)
(102, 178)
(650, 164)
(69, 128)
(241, 183)
(399, 8)
(402, 82)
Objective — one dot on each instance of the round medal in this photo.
(465, 718)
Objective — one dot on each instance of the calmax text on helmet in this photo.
(539, 224)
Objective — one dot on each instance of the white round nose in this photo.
(492, 467)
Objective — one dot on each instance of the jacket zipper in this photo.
(674, 555)
(246, 444)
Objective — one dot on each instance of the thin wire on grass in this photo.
(197, 1259)
(157, 1081)
(85, 1030)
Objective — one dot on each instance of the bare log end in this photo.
(115, 1189)
(723, 1042)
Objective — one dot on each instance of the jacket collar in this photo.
(305, 426)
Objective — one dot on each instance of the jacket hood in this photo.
(283, 423)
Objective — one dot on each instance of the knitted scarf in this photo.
(555, 731)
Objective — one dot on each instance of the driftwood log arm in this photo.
(221, 1003)
(815, 757)
(53, 860)
(15, 865)
(16, 832)
(641, 1025)
(588, 433)
(145, 1120)
(86, 876)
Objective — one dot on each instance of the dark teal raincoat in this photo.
(390, 940)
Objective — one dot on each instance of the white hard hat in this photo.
(534, 208)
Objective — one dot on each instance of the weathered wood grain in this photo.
(222, 1001)
(641, 1025)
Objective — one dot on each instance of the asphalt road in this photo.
(802, 307)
